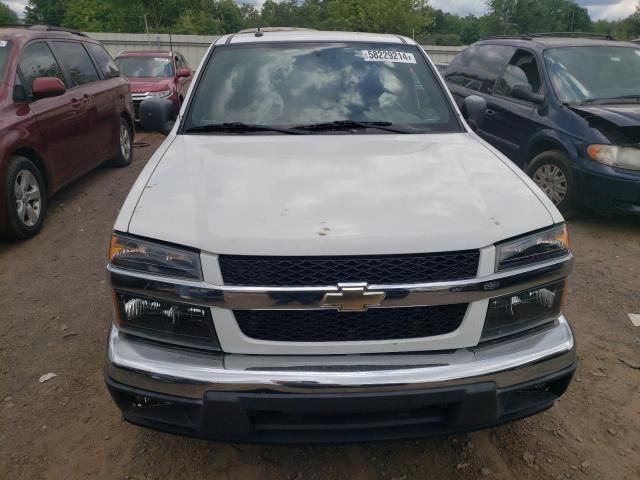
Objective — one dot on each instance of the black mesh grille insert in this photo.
(334, 326)
(321, 271)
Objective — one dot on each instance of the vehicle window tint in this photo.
(479, 66)
(19, 93)
(303, 84)
(106, 64)
(77, 62)
(594, 73)
(5, 48)
(523, 68)
(145, 67)
(38, 61)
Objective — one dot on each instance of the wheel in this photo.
(551, 171)
(26, 198)
(124, 155)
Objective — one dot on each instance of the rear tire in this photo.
(26, 198)
(551, 171)
(124, 155)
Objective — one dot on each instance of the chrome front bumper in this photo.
(168, 371)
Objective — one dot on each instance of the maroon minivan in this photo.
(64, 109)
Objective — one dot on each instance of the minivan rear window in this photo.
(478, 67)
(297, 84)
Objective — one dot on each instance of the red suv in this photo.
(156, 74)
(64, 109)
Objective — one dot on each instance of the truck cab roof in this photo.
(300, 35)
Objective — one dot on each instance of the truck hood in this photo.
(626, 115)
(333, 195)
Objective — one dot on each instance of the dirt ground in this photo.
(55, 310)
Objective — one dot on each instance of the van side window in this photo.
(77, 62)
(479, 66)
(19, 92)
(523, 68)
(38, 61)
(105, 62)
(184, 61)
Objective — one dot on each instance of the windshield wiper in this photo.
(610, 99)
(341, 125)
(239, 127)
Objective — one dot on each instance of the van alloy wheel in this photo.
(125, 141)
(28, 198)
(552, 180)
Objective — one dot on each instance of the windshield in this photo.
(148, 67)
(587, 74)
(5, 46)
(293, 85)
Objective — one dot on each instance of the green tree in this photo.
(198, 23)
(406, 17)
(7, 16)
(120, 16)
(529, 16)
(250, 16)
(282, 14)
(229, 14)
(47, 12)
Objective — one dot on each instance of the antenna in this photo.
(170, 43)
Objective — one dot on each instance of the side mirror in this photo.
(183, 73)
(523, 91)
(473, 110)
(158, 115)
(46, 87)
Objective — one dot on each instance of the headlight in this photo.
(169, 322)
(524, 310)
(162, 94)
(621, 157)
(140, 255)
(535, 248)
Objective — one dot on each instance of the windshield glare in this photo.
(4, 54)
(148, 67)
(303, 84)
(579, 74)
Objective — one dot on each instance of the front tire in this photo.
(124, 155)
(552, 172)
(26, 198)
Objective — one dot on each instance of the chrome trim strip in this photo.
(306, 298)
(189, 374)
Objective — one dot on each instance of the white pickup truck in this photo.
(322, 250)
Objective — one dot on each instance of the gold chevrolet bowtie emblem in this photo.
(353, 298)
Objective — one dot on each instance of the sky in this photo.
(598, 9)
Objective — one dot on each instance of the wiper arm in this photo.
(339, 125)
(587, 101)
(240, 127)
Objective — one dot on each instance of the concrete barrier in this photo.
(193, 47)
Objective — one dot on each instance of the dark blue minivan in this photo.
(564, 109)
